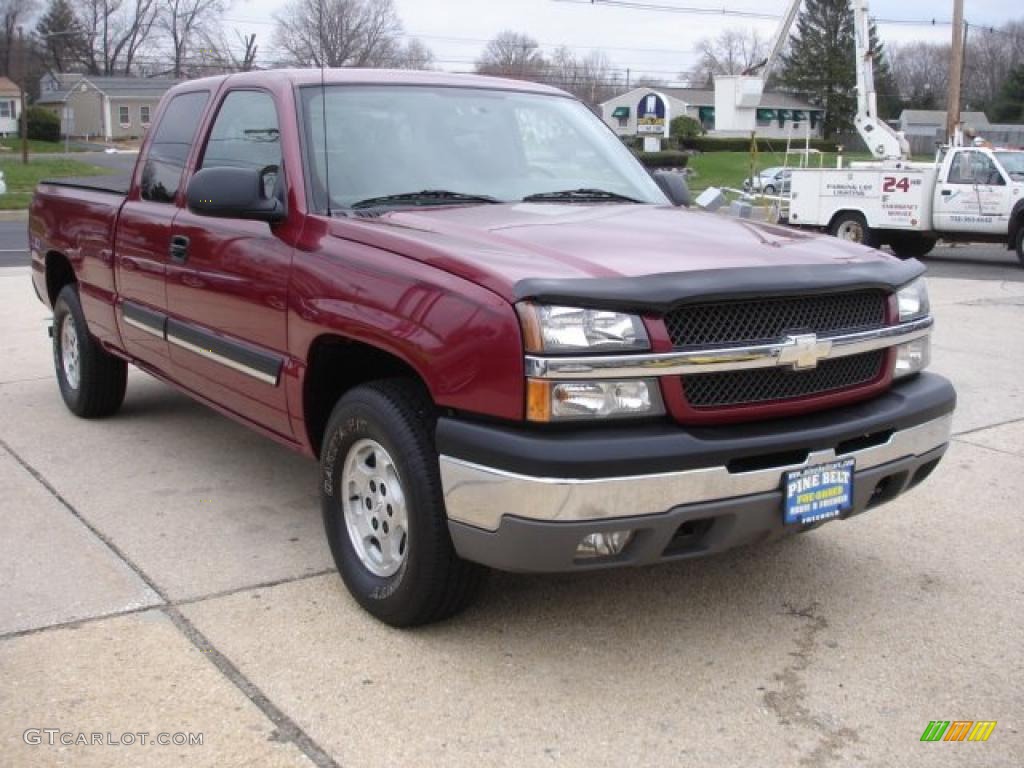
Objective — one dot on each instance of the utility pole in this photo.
(24, 85)
(955, 72)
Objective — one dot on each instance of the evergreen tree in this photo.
(820, 64)
(62, 38)
(1009, 105)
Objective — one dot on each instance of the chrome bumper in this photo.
(481, 496)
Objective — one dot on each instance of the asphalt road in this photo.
(165, 571)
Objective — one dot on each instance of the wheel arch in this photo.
(59, 273)
(336, 364)
(1016, 223)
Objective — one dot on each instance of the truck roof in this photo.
(346, 76)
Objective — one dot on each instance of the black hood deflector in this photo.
(658, 294)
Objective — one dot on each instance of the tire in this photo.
(769, 190)
(1020, 244)
(397, 558)
(852, 227)
(92, 381)
(912, 246)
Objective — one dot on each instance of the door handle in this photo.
(179, 249)
(946, 192)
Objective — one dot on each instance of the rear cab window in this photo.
(168, 151)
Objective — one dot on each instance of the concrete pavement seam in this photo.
(988, 426)
(988, 448)
(287, 728)
(76, 623)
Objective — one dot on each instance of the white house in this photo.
(10, 107)
(777, 115)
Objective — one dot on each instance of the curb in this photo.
(20, 214)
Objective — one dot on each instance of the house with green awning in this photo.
(778, 115)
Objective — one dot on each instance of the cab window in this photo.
(974, 168)
(168, 151)
(246, 135)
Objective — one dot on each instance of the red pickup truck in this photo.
(506, 342)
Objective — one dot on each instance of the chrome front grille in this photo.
(769, 320)
(754, 321)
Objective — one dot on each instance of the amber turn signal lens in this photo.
(538, 400)
(533, 340)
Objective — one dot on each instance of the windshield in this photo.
(396, 140)
(1013, 163)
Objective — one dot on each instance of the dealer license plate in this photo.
(819, 492)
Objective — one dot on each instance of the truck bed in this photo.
(117, 184)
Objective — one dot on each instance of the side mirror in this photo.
(674, 187)
(233, 193)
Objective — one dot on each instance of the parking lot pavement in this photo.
(164, 571)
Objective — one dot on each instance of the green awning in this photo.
(785, 114)
(766, 114)
(706, 113)
(621, 112)
(799, 115)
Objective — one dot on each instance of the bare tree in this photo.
(990, 58)
(116, 30)
(14, 13)
(342, 33)
(591, 78)
(187, 24)
(922, 73)
(733, 52)
(512, 54)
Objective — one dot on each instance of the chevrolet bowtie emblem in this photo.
(803, 351)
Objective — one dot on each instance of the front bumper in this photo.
(522, 500)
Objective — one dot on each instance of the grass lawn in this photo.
(22, 179)
(35, 147)
(729, 169)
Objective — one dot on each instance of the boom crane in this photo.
(882, 141)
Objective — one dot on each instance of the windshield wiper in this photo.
(424, 197)
(579, 195)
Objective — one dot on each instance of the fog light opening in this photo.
(607, 544)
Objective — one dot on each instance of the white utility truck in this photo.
(968, 194)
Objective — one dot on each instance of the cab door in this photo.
(972, 196)
(143, 235)
(227, 284)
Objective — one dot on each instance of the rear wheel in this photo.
(769, 190)
(383, 509)
(852, 227)
(92, 381)
(912, 246)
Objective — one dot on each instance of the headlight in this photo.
(913, 356)
(592, 400)
(913, 301)
(554, 329)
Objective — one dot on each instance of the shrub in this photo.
(740, 144)
(685, 127)
(43, 125)
(668, 158)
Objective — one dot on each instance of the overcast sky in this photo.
(656, 43)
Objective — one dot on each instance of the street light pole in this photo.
(24, 84)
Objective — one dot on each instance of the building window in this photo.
(123, 117)
(144, 114)
(7, 108)
(623, 122)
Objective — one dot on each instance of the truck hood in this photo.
(504, 246)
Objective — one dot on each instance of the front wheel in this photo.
(1020, 244)
(92, 381)
(912, 246)
(383, 509)
(853, 227)
(769, 190)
